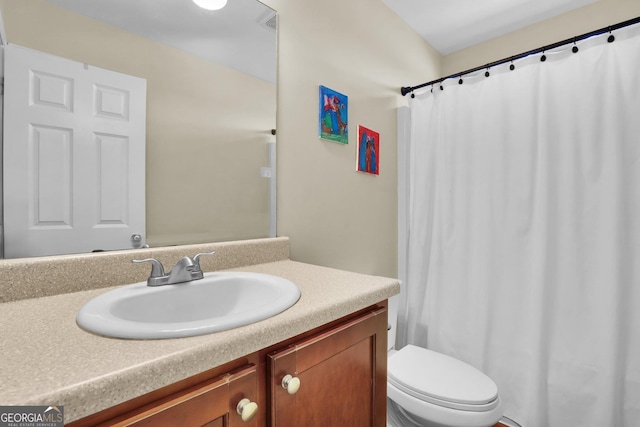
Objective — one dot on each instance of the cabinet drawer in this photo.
(211, 404)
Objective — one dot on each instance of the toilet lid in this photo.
(440, 379)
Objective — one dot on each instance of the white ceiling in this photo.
(236, 36)
(452, 25)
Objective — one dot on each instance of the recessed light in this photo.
(211, 4)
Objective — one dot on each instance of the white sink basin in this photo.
(219, 301)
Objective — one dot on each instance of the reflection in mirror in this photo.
(211, 101)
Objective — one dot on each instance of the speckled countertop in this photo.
(46, 359)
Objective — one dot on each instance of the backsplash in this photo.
(26, 278)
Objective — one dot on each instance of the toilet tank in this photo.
(394, 302)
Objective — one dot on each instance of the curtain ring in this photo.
(543, 57)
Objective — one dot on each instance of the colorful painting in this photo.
(333, 116)
(368, 151)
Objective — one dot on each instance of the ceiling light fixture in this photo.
(211, 4)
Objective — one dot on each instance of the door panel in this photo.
(50, 158)
(343, 383)
(113, 180)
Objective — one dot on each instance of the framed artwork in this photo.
(368, 151)
(333, 117)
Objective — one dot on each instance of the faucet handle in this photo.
(196, 259)
(157, 270)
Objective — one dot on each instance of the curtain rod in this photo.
(409, 89)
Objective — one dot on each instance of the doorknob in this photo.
(136, 241)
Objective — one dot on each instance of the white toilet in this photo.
(430, 389)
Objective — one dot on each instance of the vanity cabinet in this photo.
(333, 375)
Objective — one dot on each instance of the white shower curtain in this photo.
(524, 231)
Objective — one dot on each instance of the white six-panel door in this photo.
(74, 156)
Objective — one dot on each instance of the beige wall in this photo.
(207, 125)
(597, 15)
(334, 215)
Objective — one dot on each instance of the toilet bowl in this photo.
(430, 389)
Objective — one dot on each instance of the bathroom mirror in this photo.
(211, 102)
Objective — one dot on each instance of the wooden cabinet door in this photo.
(342, 373)
(210, 404)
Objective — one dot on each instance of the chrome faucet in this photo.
(185, 270)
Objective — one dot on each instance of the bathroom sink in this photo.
(217, 302)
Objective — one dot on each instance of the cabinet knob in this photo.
(247, 409)
(291, 384)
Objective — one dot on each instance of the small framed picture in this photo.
(368, 160)
(333, 117)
